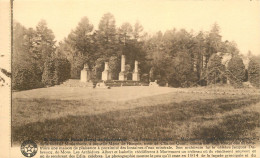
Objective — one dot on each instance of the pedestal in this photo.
(85, 75)
(136, 76)
(106, 75)
(122, 76)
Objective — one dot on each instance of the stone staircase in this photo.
(76, 83)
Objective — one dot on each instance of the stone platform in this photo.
(117, 83)
(76, 83)
(110, 83)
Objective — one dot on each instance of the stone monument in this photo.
(122, 74)
(106, 74)
(136, 75)
(85, 74)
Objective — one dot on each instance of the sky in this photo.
(239, 20)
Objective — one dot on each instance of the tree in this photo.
(215, 70)
(254, 71)
(44, 42)
(24, 65)
(138, 30)
(230, 48)
(24, 78)
(56, 70)
(236, 71)
(182, 74)
(43, 46)
(125, 33)
(106, 36)
(80, 39)
(198, 53)
(114, 66)
(213, 42)
(78, 47)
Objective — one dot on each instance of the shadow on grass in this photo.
(237, 127)
(159, 122)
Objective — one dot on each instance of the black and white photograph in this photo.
(140, 71)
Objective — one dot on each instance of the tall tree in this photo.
(43, 46)
(236, 71)
(106, 35)
(22, 45)
(199, 51)
(138, 31)
(125, 33)
(25, 64)
(80, 38)
(254, 71)
(182, 74)
(215, 70)
(44, 41)
(213, 42)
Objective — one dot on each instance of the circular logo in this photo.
(29, 148)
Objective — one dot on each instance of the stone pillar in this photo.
(123, 63)
(122, 75)
(136, 75)
(85, 74)
(106, 75)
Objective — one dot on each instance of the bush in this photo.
(254, 71)
(62, 71)
(24, 79)
(215, 70)
(48, 72)
(236, 71)
(55, 71)
(180, 73)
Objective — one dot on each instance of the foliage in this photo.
(215, 70)
(177, 57)
(32, 47)
(114, 67)
(24, 79)
(236, 71)
(56, 70)
(183, 74)
(254, 71)
(62, 70)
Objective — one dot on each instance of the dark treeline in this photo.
(176, 57)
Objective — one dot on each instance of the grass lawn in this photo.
(136, 113)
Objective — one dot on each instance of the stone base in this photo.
(102, 85)
(122, 76)
(153, 84)
(85, 76)
(136, 76)
(106, 75)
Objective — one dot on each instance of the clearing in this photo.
(198, 115)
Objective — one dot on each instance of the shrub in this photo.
(180, 73)
(55, 71)
(24, 79)
(62, 70)
(254, 71)
(48, 72)
(236, 71)
(215, 70)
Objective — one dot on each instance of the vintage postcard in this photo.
(129, 78)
